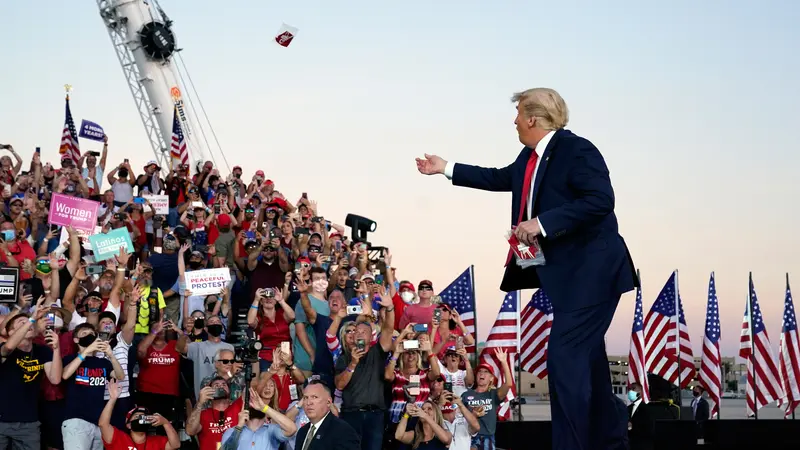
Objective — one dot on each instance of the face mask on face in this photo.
(211, 306)
(87, 340)
(633, 396)
(194, 265)
(215, 330)
(58, 323)
(407, 296)
(319, 285)
(696, 394)
(199, 323)
(9, 235)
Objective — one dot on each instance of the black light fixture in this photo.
(360, 227)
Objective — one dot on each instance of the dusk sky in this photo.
(694, 106)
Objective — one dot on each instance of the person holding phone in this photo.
(270, 316)
(93, 172)
(139, 421)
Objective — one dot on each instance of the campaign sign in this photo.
(160, 203)
(9, 284)
(83, 237)
(208, 281)
(106, 246)
(78, 212)
(91, 130)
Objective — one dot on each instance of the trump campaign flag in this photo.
(91, 130)
(285, 35)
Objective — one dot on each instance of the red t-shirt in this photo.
(282, 386)
(214, 423)
(66, 346)
(271, 334)
(399, 307)
(140, 224)
(21, 250)
(452, 340)
(123, 441)
(159, 370)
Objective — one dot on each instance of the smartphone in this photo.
(301, 230)
(27, 289)
(95, 269)
(305, 195)
(38, 149)
(354, 309)
(413, 385)
(338, 246)
(361, 344)
(420, 328)
(51, 319)
(460, 342)
(437, 314)
(250, 235)
(126, 160)
(293, 392)
(448, 386)
(411, 345)
(379, 279)
(286, 348)
(216, 208)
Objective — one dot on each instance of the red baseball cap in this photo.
(224, 220)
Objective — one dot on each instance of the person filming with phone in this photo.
(140, 423)
(254, 431)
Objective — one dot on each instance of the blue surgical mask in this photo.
(633, 396)
(9, 235)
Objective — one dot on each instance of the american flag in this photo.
(180, 155)
(503, 335)
(636, 362)
(460, 295)
(661, 343)
(710, 364)
(790, 353)
(535, 322)
(69, 138)
(765, 371)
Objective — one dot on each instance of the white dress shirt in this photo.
(636, 406)
(539, 149)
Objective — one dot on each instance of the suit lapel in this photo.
(543, 165)
(323, 429)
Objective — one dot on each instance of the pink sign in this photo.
(78, 212)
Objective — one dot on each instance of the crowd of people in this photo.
(313, 343)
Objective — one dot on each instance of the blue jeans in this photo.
(368, 425)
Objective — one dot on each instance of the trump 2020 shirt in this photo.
(86, 388)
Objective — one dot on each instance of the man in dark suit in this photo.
(700, 404)
(640, 426)
(562, 197)
(324, 431)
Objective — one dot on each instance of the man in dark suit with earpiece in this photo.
(324, 431)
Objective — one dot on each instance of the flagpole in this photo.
(721, 375)
(475, 313)
(678, 337)
(752, 348)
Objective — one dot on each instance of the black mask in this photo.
(256, 414)
(199, 323)
(696, 394)
(87, 340)
(139, 427)
(211, 306)
(195, 265)
(215, 330)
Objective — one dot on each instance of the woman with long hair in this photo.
(428, 433)
(268, 391)
(270, 324)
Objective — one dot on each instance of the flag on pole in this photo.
(460, 295)
(178, 150)
(790, 353)
(636, 358)
(710, 364)
(503, 335)
(664, 347)
(285, 35)
(762, 372)
(69, 138)
(535, 322)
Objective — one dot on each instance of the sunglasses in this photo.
(425, 288)
(226, 361)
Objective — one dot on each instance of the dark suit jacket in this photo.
(703, 411)
(334, 434)
(587, 261)
(640, 434)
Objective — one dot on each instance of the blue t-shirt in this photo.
(85, 389)
(165, 270)
(323, 358)
(301, 358)
(20, 383)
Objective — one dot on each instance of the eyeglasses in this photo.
(226, 361)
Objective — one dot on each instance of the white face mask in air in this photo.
(319, 285)
(407, 296)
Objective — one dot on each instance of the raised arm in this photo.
(484, 178)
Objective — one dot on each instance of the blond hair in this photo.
(419, 431)
(546, 105)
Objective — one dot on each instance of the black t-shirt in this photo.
(165, 270)
(323, 359)
(20, 382)
(365, 388)
(84, 391)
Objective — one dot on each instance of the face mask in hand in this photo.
(87, 340)
(407, 296)
(633, 396)
(319, 285)
(215, 330)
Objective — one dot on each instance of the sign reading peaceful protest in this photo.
(160, 203)
(208, 281)
(91, 130)
(9, 284)
(106, 246)
(78, 212)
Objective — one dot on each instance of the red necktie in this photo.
(526, 190)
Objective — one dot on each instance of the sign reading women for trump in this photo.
(208, 281)
(78, 212)
(106, 246)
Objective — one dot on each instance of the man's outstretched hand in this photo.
(431, 165)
